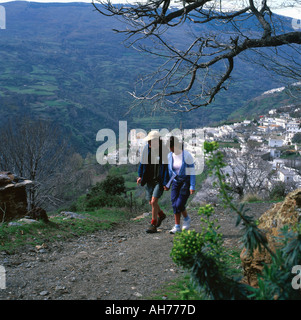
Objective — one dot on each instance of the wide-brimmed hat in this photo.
(152, 135)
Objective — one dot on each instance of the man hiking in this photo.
(153, 174)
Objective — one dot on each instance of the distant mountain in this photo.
(63, 62)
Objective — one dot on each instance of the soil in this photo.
(123, 263)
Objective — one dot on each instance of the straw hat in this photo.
(152, 135)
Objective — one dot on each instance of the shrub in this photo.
(108, 193)
(251, 197)
(112, 185)
(278, 191)
(102, 199)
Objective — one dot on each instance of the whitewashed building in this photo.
(274, 143)
(286, 175)
(293, 127)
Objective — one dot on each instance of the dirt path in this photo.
(119, 264)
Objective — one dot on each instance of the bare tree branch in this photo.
(195, 71)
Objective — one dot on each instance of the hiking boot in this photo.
(160, 219)
(151, 229)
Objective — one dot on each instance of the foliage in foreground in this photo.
(203, 254)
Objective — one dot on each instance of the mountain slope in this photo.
(272, 99)
(63, 62)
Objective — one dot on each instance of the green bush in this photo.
(297, 138)
(108, 193)
(102, 199)
(278, 191)
(112, 185)
(188, 244)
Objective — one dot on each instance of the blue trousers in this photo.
(179, 195)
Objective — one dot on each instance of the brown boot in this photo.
(151, 229)
(160, 219)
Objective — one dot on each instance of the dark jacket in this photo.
(144, 166)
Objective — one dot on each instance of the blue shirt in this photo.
(187, 168)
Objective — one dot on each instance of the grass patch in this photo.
(178, 289)
(59, 228)
(229, 144)
(130, 185)
(182, 288)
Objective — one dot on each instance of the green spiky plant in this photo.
(203, 255)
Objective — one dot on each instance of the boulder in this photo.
(72, 215)
(38, 214)
(283, 213)
(13, 196)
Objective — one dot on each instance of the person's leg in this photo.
(157, 193)
(161, 216)
(174, 198)
(184, 213)
(180, 207)
(149, 195)
(155, 210)
(186, 220)
(181, 204)
(177, 227)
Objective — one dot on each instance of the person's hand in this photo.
(165, 188)
(139, 180)
(192, 191)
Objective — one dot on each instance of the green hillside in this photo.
(263, 103)
(63, 62)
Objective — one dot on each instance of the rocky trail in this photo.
(124, 263)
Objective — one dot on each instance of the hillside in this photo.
(63, 62)
(272, 99)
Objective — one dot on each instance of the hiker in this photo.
(181, 171)
(153, 173)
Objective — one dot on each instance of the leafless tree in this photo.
(198, 63)
(75, 178)
(35, 150)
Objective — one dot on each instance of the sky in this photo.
(276, 5)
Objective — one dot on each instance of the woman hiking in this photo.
(181, 167)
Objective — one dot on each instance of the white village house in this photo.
(286, 175)
(275, 142)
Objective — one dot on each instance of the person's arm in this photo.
(142, 164)
(190, 170)
(165, 177)
(140, 170)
